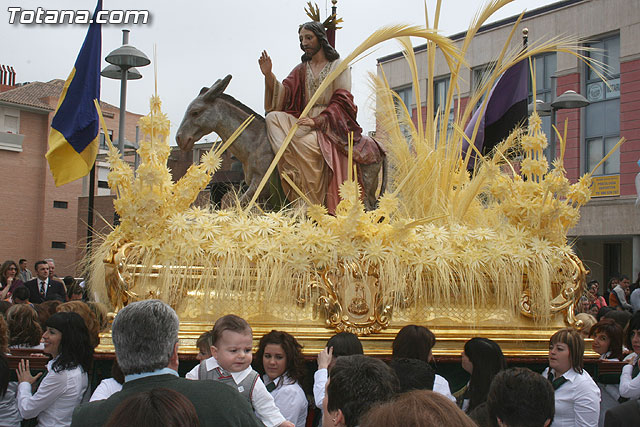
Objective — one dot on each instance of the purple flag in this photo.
(506, 108)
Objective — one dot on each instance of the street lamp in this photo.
(568, 100)
(124, 59)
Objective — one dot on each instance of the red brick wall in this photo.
(29, 221)
(629, 125)
(22, 207)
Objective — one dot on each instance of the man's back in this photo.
(216, 404)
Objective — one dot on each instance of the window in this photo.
(612, 259)
(9, 120)
(102, 178)
(58, 245)
(10, 138)
(479, 76)
(545, 67)
(440, 90)
(103, 140)
(603, 114)
(406, 95)
(60, 204)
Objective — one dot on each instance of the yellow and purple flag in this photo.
(75, 128)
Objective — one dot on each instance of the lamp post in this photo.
(124, 59)
(568, 100)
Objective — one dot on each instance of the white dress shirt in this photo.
(629, 387)
(57, 396)
(261, 400)
(290, 399)
(577, 401)
(9, 414)
(319, 383)
(440, 385)
(609, 393)
(105, 389)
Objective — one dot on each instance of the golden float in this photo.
(466, 254)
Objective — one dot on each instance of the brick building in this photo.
(607, 237)
(39, 220)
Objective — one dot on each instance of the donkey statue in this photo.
(214, 111)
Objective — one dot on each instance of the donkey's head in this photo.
(201, 117)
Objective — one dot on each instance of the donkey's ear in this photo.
(203, 91)
(216, 89)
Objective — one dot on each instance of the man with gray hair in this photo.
(145, 336)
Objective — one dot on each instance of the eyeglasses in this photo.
(12, 268)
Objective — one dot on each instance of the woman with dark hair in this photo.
(279, 360)
(341, 344)
(482, 359)
(24, 329)
(156, 407)
(61, 391)
(629, 379)
(607, 339)
(607, 342)
(577, 396)
(593, 296)
(416, 342)
(9, 280)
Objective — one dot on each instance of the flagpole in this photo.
(92, 185)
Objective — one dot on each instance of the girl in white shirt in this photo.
(341, 344)
(482, 358)
(66, 339)
(607, 342)
(630, 379)
(279, 360)
(577, 396)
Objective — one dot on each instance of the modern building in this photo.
(39, 220)
(607, 237)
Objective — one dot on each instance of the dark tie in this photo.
(271, 386)
(556, 383)
(42, 289)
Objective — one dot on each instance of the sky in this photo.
(199, 42)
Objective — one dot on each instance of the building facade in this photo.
(607, 237)
(39, 220)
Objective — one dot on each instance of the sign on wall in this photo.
(606, 185)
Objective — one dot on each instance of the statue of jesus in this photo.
(316, 157)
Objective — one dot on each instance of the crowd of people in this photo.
(232, 386)
(619, 294)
